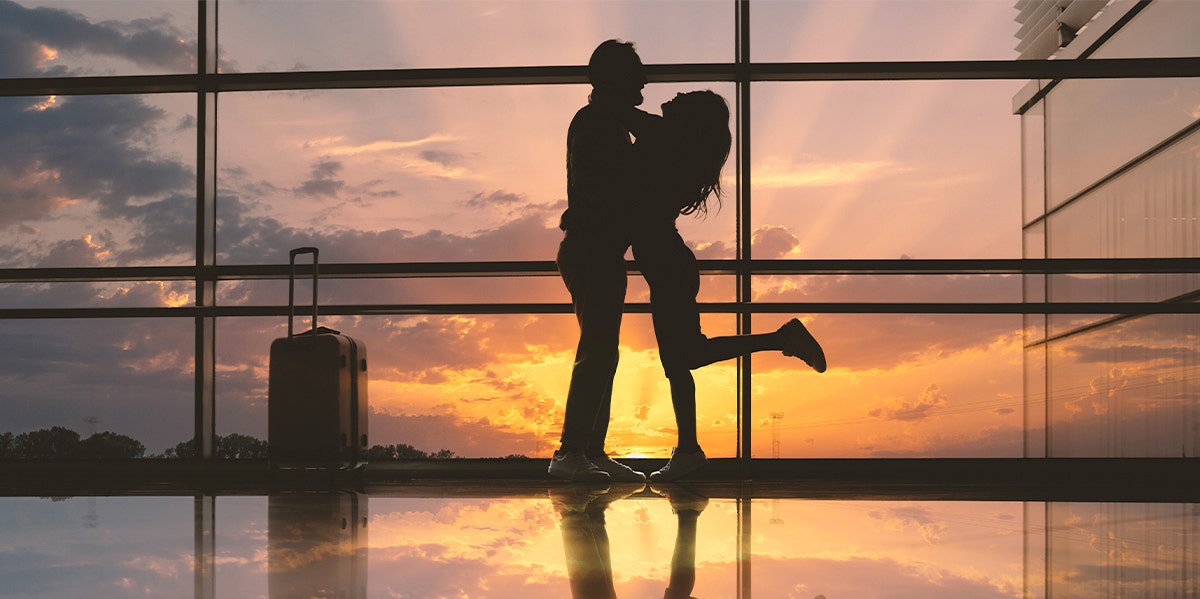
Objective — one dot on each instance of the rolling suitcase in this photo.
(317, 392)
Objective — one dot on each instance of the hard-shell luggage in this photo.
(317, 392)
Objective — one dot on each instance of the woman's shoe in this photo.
(799, 343)
(681, 464)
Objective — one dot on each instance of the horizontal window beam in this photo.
(1126, 308)
(556, 75)
(367, 270)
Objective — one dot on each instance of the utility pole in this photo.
(775, 418)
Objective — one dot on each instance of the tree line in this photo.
(59, 442)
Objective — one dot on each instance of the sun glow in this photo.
(823, 174)
(48, 54)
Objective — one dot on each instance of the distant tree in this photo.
(403, 451)
(233, 446)
(182, 451)
(7, 450)
(236, 446)
(381, 452)
(55, 442)
(109, 445)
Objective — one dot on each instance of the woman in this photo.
(682, 153)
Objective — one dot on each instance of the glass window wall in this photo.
(1125, 390)
(417, 34)
(98, 189)
(56, 38)
(908, 169)
(96, 388)
(868, 30)
(97, 180)
(898, 386)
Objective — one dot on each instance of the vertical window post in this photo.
(206, 178)
(743, 223)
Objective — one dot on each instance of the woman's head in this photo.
(698, 124)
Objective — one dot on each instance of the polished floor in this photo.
(534, 538)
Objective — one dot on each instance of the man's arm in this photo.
(641, 123)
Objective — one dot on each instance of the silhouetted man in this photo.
(591, 257)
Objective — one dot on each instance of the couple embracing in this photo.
(622, 193)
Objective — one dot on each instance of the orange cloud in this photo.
(329, 148)
(928, 403)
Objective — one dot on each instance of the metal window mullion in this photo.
(205, 324)
(744, 229)
(743, 282)
(544, 268)
(741, 70)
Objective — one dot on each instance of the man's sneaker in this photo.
(616, 470)
(681, 464)
(799, 343)
(574, 499)
(573, 465)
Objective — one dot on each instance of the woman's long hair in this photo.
(699, 123)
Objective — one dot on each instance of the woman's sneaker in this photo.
(682, 464)
(573, 465)
(799, 343)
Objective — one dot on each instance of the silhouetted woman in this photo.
(683, 153)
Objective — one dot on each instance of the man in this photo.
(591, 257)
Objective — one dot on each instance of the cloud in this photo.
(774, 242)
(915, 517)
(32, 37)
(322, 181)
(87, 251)
(887, 341)
(1126, 353)
(97, 152)
(927, 405)
(119, 371)
(442, 157)
(388, 146)
(437, 163)
(495, 199)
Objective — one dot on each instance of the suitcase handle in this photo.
(292, 287)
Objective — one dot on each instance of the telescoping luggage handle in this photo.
(292, 288)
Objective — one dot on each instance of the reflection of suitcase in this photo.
(317, 545)
(317, 392)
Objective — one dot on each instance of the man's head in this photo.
(616, 72)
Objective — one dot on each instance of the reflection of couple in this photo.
(622, 194)
(585, 537)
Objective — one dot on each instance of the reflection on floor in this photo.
(560, 540)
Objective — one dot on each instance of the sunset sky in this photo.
(840, 170)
